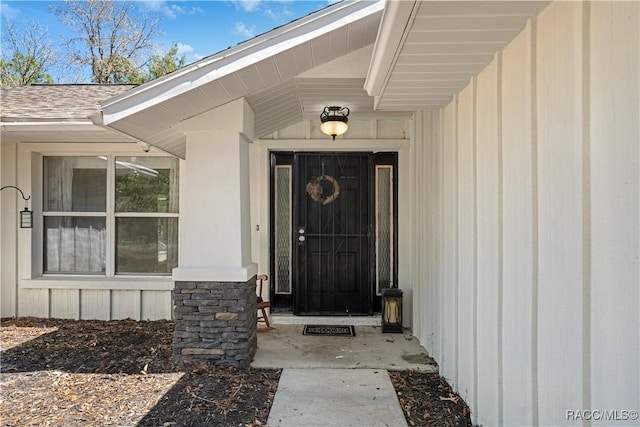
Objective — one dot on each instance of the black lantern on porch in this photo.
(26, 216)
(391, 310)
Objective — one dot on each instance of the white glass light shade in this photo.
(334, 128)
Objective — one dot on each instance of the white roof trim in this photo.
(51, 126)
(237, 57)
(391, 38)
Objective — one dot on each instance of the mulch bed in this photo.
(120, 373)
(427, 400)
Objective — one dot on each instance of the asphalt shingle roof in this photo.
(68, 101)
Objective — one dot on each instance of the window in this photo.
(282, 224)
(110, 215)
(384, 227)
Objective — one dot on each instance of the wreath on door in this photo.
(317, 190)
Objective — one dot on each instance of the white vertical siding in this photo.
(449, 362)
(466, 243)
(419, 286)
(436, 267)
(488, 245)
(8, 231)
(428, 163)
(538, 231)
(518, 232)
(560, 215)
(155, 305)
(95, 304)
(615, 217)
(33, 302)
(125, 305)
(65, 303)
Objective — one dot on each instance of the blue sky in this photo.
(200, 28)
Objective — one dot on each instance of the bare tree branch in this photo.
(26, 56)
(111, 36)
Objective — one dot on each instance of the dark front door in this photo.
(332, 233)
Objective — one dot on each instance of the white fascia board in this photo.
(237, 58)
(394, 28)
(51, 126)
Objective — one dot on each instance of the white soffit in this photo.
(427, 51)
(338, 82)
(265, 66)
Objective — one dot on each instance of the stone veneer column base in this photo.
(215, 322)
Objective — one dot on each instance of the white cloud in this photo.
(181, 10)
(247, 5)
(242, 30)
(9, 12)
(284, 14)
(184, 49)
(154, 5)
(171, 10)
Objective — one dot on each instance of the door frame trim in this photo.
(286, 302)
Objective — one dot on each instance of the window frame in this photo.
(31, 242)
(110, 214)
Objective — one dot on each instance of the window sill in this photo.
(132, 283)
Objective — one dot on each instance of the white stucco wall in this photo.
(534, 212)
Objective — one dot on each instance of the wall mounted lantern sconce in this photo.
(26, 216)
(333, 121)
(392, 310)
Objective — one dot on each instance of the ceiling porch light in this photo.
(334, 121)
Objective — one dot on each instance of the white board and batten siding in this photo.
(561, 190)
(466, 243)
(95, 304)
(614, 154)
(518, 233)
(488, 280)
(449, 266)
(539, 225)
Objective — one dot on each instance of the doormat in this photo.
(330, 330)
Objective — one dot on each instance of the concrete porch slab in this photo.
(284, 346)
(335, 397)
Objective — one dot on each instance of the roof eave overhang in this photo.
(55, 129)
(47, 125)
(427, 51)
(231, 60)
(394, 28)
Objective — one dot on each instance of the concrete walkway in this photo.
(335, 397)
(337, 381)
